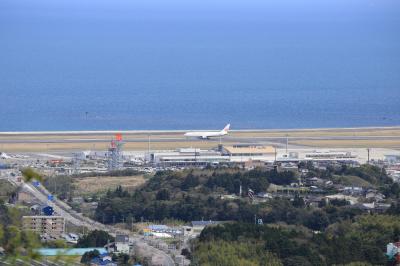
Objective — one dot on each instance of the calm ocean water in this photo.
(152, 64)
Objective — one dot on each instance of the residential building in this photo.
(352, 200)
(103, 260)
(313, 201)
(393, 251)
(122, 244)
(48, 227)
(25, 197)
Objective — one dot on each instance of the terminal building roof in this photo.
(249, 149)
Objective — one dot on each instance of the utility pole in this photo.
(55, 185)
(368, 155)
(148, 147)
(287, 143)
(195, 157)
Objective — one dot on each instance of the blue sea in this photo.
(198, 64)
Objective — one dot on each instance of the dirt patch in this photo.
(89, 185)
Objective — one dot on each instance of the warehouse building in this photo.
(330, 156)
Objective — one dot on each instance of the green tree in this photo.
(17, 243)
(1, 233)
(163, 195)
(30, 175)
(96, 238)
(121, 259)
(318, 220)
(88, 256)
(298, 202)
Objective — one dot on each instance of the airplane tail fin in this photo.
(226, 128)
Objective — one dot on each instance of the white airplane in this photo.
(3, 155)
(208, 134)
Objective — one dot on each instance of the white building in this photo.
(122, 244)
(247, 152)
(188, 157)
(330, 156)
(392, 158)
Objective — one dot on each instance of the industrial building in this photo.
(48, 227)
(330, 156)
(240, 154)
(392, 158)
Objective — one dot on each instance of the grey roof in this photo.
(121, 239)
(203, 223)
(158, 227)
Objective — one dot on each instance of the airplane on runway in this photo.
(208, 134)
(3, 155)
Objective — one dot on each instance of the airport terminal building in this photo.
(188, 157)
(247, 152)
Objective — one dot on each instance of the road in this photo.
(159, 257)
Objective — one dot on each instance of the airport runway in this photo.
(140, 140)
(183, 139)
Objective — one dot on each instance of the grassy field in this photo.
(90, 185)
(351, 181)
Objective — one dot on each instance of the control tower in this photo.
(114, 154)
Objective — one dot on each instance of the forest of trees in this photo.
(189, 196)
(362, 240)
(196, 195)
(95, 238)
(292, 234)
